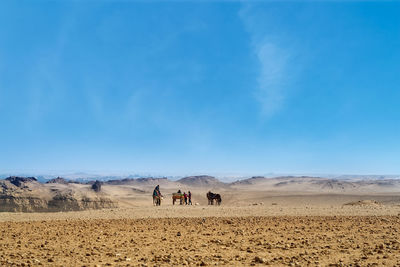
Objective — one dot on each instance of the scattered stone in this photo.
(258, 260)
(364, 203)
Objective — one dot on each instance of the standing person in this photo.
(157, 196)
(156, 191)
(185, 196)
(190, 198)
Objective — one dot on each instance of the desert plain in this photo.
(278, 222)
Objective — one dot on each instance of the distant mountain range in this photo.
(211, 181)
(198, 181)
(61, 194)
(201, 181)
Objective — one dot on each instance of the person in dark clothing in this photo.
(185, 196)
(157, 196)
(190, 198)
(156, 191)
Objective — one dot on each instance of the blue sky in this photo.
(181, 87)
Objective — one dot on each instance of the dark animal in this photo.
(211, 197)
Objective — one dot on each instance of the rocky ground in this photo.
(230, 241)
(257, 224)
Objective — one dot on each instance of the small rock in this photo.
(178, 234)
(259, 260)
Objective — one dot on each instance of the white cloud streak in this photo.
(274, 60)
(271, 81)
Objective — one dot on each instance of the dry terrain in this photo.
(231, 241)
(282, 221)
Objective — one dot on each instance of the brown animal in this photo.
(176, 196)
(157, 200)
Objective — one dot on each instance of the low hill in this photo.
(140, 181)
(250, 181)
(145, 183)
(317, 184)
(202, 181)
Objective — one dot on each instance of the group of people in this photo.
(187, 197)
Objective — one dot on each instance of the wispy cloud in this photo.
(274, 61)
(271, 91)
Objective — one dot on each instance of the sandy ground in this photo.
(247, 229)
(237, 241)
(233, 206)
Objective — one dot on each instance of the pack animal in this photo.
(211, 197)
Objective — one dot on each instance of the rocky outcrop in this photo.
(20, 181)
(22, 204)
(58, 180)
(15, 196)
(96, 186)
(68, 202)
